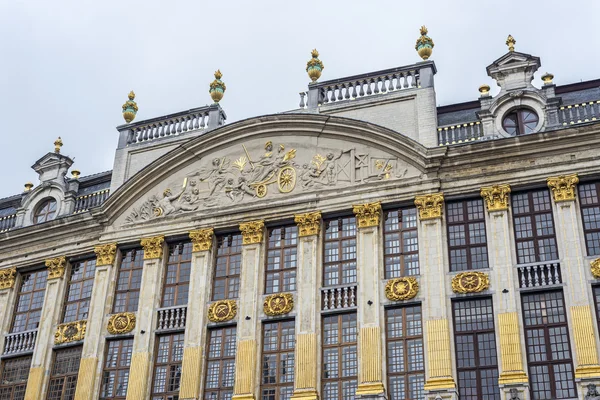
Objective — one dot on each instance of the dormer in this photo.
(514, 71)
(53, 167)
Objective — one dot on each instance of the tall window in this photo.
(167, 367)
(534, 227)
(405, 356)
(220, 368)
(596, 290)
(277, 382)
(14, 373)
(30, 301)
(226, 280)
(79, 293)
(340, 365)
(401, 245)
(467, 242)
(115, 377)
(127, 294)
(339, 263)
(63, 377)
(590, 211)
(282, 249)
(548, 348)
(476, 359)
(177, 280)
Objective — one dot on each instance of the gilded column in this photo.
(8, 277)
(245, 359)
(307, 310)
(202, 243)
(50, 317)
(369, 274)
(149, 302)
(93, 344)
(439, 377)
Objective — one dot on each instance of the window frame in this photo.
(589, 206)
(278, 385)
(466, 223)
(339, 263)
(88, 263)
(222, 359)
(283, 264)
(340, 346)
(37, 213)
(117, 368)
(228, 255)
(388, 233)
(129, 292)
(183, 247)
(43, 275)
(68, 382)
(17, 385)
(169, 365)
(520, 126)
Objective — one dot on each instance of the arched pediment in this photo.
(266, 159)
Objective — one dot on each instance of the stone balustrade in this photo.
(579, 113)
(338, 298)
(85, 202)
(539, 274)
(8, 222)
(459, 133)
(171, 318)
(20, 342)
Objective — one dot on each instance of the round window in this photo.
(520, 122)
(45, 212)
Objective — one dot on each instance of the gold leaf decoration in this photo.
(278, 304)
(56, 267)
(367, 214)
(401, 288)
(223, 310)
(202, 239)
(496, 197)
(252, 232)
(105, 254)
(70, 332)
(430, 205)
(470, 282)
(308, 224)
(153, 247)
(121, 323)
(595, 265)
(7, 278)
(563, 187)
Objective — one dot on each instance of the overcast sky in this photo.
(67, 66)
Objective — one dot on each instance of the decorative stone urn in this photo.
(314, 66)
(130, 108)
(217, 87)
(424, 44)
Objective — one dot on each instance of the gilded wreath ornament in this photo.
(202, 239)
(56, 267)
(278, 304)
(222, 310)
(563, 187)
(595, 266)
(470, 282)
(121, 323)
(367, 214)
(70, 332)
(308, 224)
(7, 278)
(496, 197)
(105, 254)
(401, 288)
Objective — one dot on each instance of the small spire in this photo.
(424, 44)
(75, 174)
(130, 108)
(314, 66)
(57, 145)
(28, 187)
(510, 42)
(217, 87)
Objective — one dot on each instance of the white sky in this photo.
(67, 66)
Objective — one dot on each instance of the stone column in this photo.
(143, 342)
(50, 317)
(508, 332)
(8, 278)
(93, 344)
(439, 377)
(191, 370)
(307, 309)
(245, 359)
(368, 266)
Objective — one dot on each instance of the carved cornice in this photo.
(563, 187)
(202, 239)
(368, 214)
(70, 332)
(430, 205)
(595, 266)
(252, 232)
(308, 224)
(105, 254)
(7, 278)
(153, 247)
(121, 323)
(56, 267)
(278, 304)
(223, 310)
(401, 289)
(496, 197)
(470, 282)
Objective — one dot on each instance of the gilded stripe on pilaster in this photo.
(85, 378)
(306, 367)
(370, 361)
(510, 349)
(585, 343)
(438, 355)
(245, 362)
(138, 376)
(190, 373)
(34, 383)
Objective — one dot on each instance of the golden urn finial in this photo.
(314, 66)
(547, 78)
(130, 108)
(28, 187)
(510, 42)
(424, 44)
(217, 87)
(75, 174)
(57, 145)
(484, 90)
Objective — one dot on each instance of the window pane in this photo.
(467, 242)
(339, 255)
(220, 363)
(282, 248)
(79, 290)
(401, 248)
(228, 260)
(129, 280)
(340, 367)
(63, 376)
(590, 213)
(277, 375)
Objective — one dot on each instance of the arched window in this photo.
(45, 211)
(520, 122)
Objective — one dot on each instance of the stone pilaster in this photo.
(8, 292)
(195, 330)
(143, 342)
(307, 309)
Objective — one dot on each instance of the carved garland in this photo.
(401, 289)
(430, 205)
(308, 224)
(368, 214)
(105, 254)
(56, 267)
(202, 239)
(223, 310)
(121, 323)
(153, 247)
(496, 197)
(470, 282)
(563, 187)
(70, 332)
(278, 304)
(596, 268)
(252, 232)
(7, 278)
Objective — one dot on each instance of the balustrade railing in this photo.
(459, 133)
(539, 274)
(172, 317)
(338, 297)
(579, 113)
(7, 222)
(85, 202)
(20, 342)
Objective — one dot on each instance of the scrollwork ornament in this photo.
(252, 232)
(56, 267)
(222, 311)
(308, 224)
(153, 247)
(121, 323)
(430, 205)
(7, 278)
(367, 214)
(470, 282)
(202, 239)
(105, 254)
(496, 197)
(70, 332)
(278, 304)
(401, 288)
(563, 187)
(595, 266)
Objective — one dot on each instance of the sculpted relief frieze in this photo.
(251, 173)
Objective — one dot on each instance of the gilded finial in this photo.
(510, 42)
(130, 108)
(314, 66)
(484, 90)
(28, 187)
(217, 87)
(547, 78)
(75, 173)
(424, 44)
(57, 145)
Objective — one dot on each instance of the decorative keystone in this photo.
(130, 108)
(7, 278)
(222, 311)
(252, 232)
(368, 214)
(470, 282)
(424, 44)
(496, 197)
(430, 206)
(106, 254)
(308, 224)
(278, 304)
(563, 187)
(217, 87)
(510, 42)
(202, 239)
(314, 66)
(401, 289)
(153, 247)
(56, 267)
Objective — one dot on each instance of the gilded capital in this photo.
(496, 197)
(7, 278)
(252, 232)
(153, 247)
(56, 267)
(105, 254)
(563, 187)
(368, 214)
(308, 224)
(430, 205)
(596, 267)
(202, 239)
(470, 282)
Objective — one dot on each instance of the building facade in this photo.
(366, 245)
